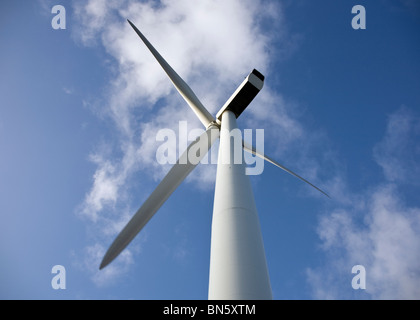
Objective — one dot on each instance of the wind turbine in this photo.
(238, 268)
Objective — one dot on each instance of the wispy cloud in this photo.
(399, 152)
(376, 228)
(92, 257)
(68, 90)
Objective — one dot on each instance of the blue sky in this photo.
(80, 109)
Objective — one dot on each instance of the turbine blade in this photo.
(186, 92)
(251, 149)
(170, 182)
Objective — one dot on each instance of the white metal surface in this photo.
(238, 268)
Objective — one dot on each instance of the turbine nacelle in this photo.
(243, 95)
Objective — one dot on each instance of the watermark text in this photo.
(197, 148)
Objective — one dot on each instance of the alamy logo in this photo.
(58, 282)
(359, 20)
(198, 152)
(359, 280)
(59, 20)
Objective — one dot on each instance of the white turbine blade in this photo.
(170, 182)
(186, 92)
(251, 149)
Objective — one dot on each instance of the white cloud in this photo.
(68, 90)
(92, 257)
(387, 244)
(375, 228)
(399, 152)
(395, 233)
